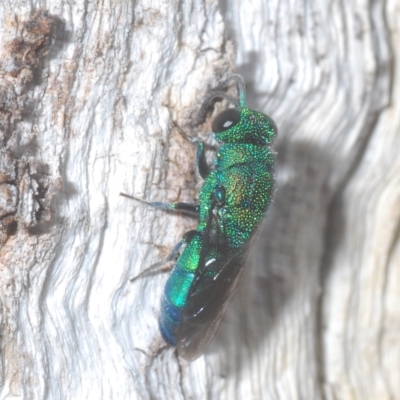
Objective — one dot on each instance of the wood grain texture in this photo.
(327, 266)
(91, 93)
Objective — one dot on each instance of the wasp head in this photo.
(242, 125)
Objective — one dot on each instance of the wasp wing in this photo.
(212, 289)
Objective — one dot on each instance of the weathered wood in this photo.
(325, 322)
(90, 96)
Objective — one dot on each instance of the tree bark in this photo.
(94, 99)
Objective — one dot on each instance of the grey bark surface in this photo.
(93, 99)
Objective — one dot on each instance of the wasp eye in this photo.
(225, 120)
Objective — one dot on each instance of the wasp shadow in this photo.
(289, 262)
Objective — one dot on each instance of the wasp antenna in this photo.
(240, 86)
(241, 89)
(182, 132)
(212, 95)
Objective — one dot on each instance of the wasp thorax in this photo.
(219, 195)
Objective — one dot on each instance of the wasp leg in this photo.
(201, 161)
(186, 238)
(181, 206)
(160, 266)
(153, 270)
(188, 208)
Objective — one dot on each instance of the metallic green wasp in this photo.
(235, 195)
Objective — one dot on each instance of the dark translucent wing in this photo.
(201, 325)
(211, 291)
